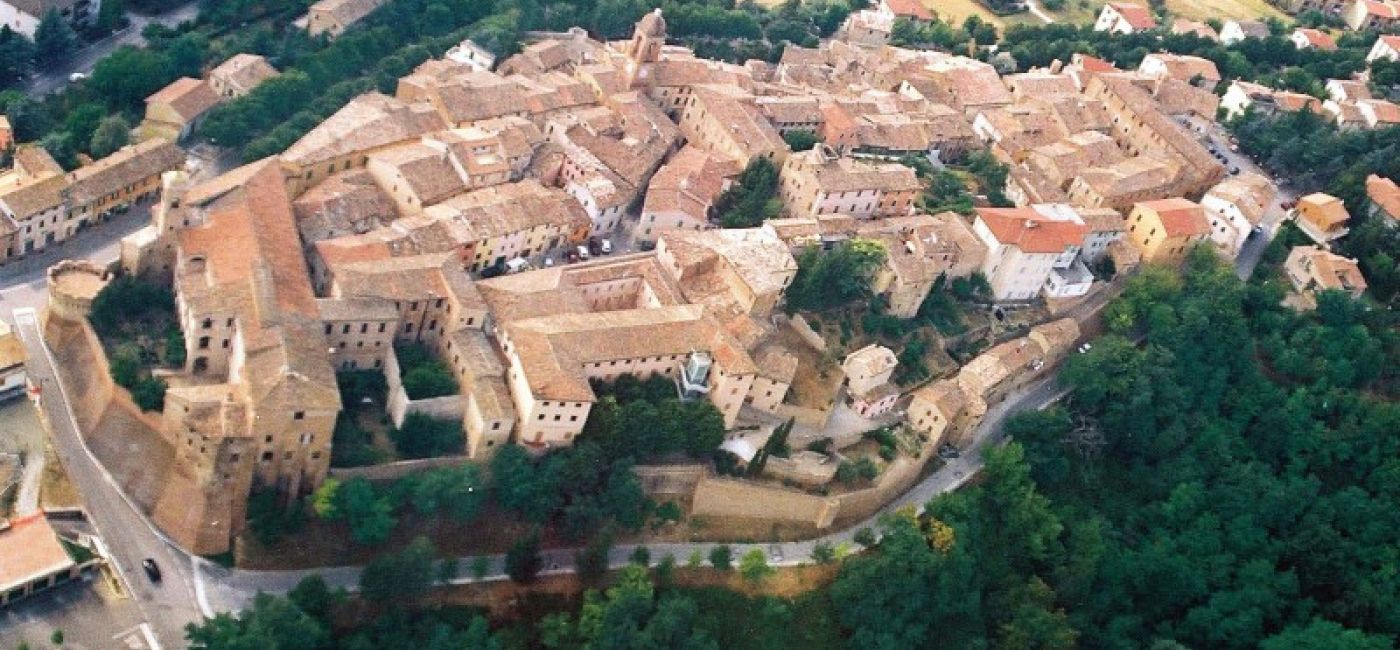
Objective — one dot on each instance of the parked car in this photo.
(76, 77)
(775, 553)
(595, 247)
(583, 253)
(1234, 171)
(606, 246)
(548, 262)
(151, 568)
(517, 265)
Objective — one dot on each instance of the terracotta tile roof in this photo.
(1383, 10)
(554, 350)
(29, 550)
(32, 198)
(1317, 38)
(1094, 64)
(914, 9)
(346, 203)
(1031, 231)
(128, 166)
(1323, 210)
(1385, 112)
(1384, 193)
(1184, 67)
(189, 98)
(1179, 217)
(1185, 26)
(1324, 270)
(689, 183)
(243, 72)
(1136, 15)
(511, 208)
(34, 161)
(368, 122)
(1292, 102)
(346, 12)
(1251, 193)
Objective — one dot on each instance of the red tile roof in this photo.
(909, 9)
(1179, 217)
(1137, 15)
(1031, 231)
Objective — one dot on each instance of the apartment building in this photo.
(1026, 245)
(263, 414)
(728, 122)
(683, 192)
(1236, 207)
(369, 123)
(820, 181)
(1163, 230)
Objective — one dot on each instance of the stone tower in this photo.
(645, 47)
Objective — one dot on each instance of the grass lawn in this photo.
(1223, 9)
(954, 12)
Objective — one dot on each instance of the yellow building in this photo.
(1322, 217)
(1163, 230)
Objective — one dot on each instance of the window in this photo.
(299, 415)
(345, 329)
(267, 456)
(541, 417)
(381, 328)
(268, 439)
(203, 342)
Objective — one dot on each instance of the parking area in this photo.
(87, 613)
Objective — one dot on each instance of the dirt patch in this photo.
(814, 386)
(55, 489)
(506, 601)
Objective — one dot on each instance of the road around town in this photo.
(165, 606)
(85, 59)
(194, 588)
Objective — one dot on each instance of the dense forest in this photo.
(1223, 476)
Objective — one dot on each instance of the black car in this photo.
(151, 568)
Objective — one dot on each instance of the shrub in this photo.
(722, 557)
(423, 436)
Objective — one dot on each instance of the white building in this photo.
(1124, 18)
(1026, 245)
(470, 54)
(1235, 207)
(1386, 47)
(1234, 31)
(23, 16)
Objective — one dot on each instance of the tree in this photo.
(591, 562)
(801, 140)
(314, 597)
(16, 58)
(823, 553)
(128, 75)
(753, 199)
(523, 558)
(1325, 635)
(424, 436)
(370, 514)
(60, 145)
(271, 622)
(641, 556)
(401, 578)
(753, 566)
(833, 278)
(323, 500)
(54, 39)
(480, 566)
(721, 557)
(112, 134)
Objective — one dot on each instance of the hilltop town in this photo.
(588, 290)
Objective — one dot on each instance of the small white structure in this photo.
(1124, 18)
(868, 371)
(1386, 47)
(470, 54)
(1234, 31)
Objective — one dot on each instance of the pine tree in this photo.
(54, 40)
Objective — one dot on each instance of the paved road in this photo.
(22, 282)
(165, 606)
(86, 58)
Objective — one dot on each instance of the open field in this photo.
(1223, 9)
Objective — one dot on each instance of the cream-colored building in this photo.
(1026, 246)
(820, 182)
(726, 121)
(1311, 269)
(333, 17)
(1322, 217)
(1164, 230)
(240, 74)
